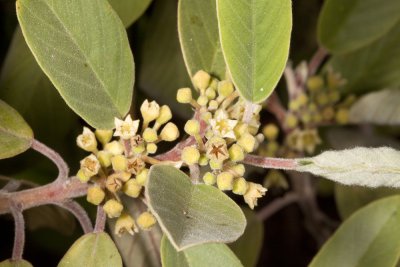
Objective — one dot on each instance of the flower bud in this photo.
(291, 121)
(213, 105)
(238, 169)
(315, 83)
(334, 96)
(127, 128)
(146, 220)
(225, 88)
(132, 188)
(270, 131)
(113, 208)
(82, 177)
(215, 164)
(210, 93)
(87, 140)
(125, 223)
(104, 158)
(184, 95)
(203, 160)
(276, 179)
(190, 155)
(342, 116)
(139, 149)
(202, 100)
(247, 142)
(90, 166)
(192, 127)
(236, 153)
(322, 99)
(150, 135)
(151, 148)
(328, 113)
(201, 80)
(114, 147)
(119, 163)
(224, 181)
(206, 116)
(240, 186)
(294, 105)
(165, 115)
(170, 132)
(150, 111)
(141, 178)
(209, 178)
(240, 129)
(95, 195)
(104, 136)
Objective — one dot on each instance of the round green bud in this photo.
(82, 176)
(342, 116)
(209, 178)
(291, 121)
(334, 96)
(294, 105)
(201, 80)
(206, 116)
(210, 93)
(236, 153)
(240, 129)
(113, 208)
(247, 142)
(322, 99)
(184, 95)
(132, 188)
(138, 149)
(270, 131)
(95, 195)
(151, 148)
(192, 127)
(328, 113)
(104, 136)
(104, 158)
(150, 135)
(315, 83)
(202, 100)
(215, 164)
(141, 178)
(225, 181)
(306, 117)
(114, 147)
(125, 223)
(203, 160)
(146, 220)
(213, 105)
(240, 186)
(238, 169)
(190, 155)
(165, 115)
(170, 132)
(303, 99)
(119, 163)
(225, 88)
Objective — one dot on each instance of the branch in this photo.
(79, 214)
(100, 220)
(19, 236)
(277, 205)
(270, 163)
(58, 191)
(317, 60)
(62, 166)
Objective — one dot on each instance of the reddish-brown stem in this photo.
(79, 212)
(19, 233)
(62, 166)
(317, 60)
(270, 163)
(100, 220)
(57, 191)
(277, 205)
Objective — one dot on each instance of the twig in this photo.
(270, 163)
(291, 82)
(317, 60)
(79, 214)
(276, 206)
(194, 173)
(100, 220)
(62, 166)
(19, 238)
(11, 186)
(274, 106)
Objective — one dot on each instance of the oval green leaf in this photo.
(92, 250)
(199, 37)
(346, 25)
(368, 238)
(19, 263)
(15, 134)
(202, 255)
(255, 39)
(129, 10)
(192, 214)
(83, 48)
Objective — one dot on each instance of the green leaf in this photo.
(202, 255)
(162, 68)
(371, 167)
(368, 238)
(372, 67)
(199, 37)
(191, 214)
(351, 198)
(255, 38)
(129, 10)
(141, 249)
(15, 134)
(83, 48)
(248, 247)
(92, 250)
(11, 263)
(378, 107)
(346, 25)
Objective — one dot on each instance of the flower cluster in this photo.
(224, 132)
(320, 104)
(121, 166)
